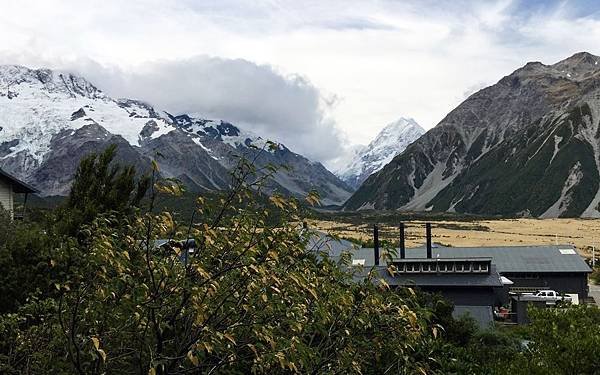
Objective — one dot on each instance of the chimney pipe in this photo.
(428, 235)
(402, 244)
(376, 243)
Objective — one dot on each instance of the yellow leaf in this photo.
(193, 358)
(155, 165)
(152, 371)
(229, 337)
(253, 349)
(412, 317)
(313, 198)
(277, 200)
(281, 357)
(102, 354)
(96, 342)
(126, 255)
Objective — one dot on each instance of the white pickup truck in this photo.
(552, 296)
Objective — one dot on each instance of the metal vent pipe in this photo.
(402, 243)
(428, 235)
(376, 244)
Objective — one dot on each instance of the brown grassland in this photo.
(582, 233)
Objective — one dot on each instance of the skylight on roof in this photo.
(567, 251)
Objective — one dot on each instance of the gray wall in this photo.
(561, 282)
(6, 195)
(466, 296)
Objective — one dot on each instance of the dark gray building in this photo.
(473, 284)
(475, 279)
(530, 268)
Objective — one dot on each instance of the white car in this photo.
(552, 296)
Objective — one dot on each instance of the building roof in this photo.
(507, 259)
(491, 279)
(515, 259)
(18, 186)
(322, 242)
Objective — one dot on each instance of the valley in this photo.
(465, 231)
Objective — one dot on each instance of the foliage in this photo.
(250, 298)
(562, 341)
(23, 261)
(253, 296)
(464, 348)
(102, 185)
(595, 275)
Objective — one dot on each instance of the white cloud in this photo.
(285, 108)
(380, 60)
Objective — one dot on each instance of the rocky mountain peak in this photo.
(528, 143)
(579, 61)
(16, 80)
(578, 67)
(391, 141)
(396, 130)
(50, 119)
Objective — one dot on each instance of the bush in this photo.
(249, 299)
(595, 275)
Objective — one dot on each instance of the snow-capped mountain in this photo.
(391, 141)
(527, 145)
(50, 119)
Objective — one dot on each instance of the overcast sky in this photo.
(316, 75)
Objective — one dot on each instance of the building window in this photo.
(428, 267)
(462, 267)
(480, 267)
(413, 267)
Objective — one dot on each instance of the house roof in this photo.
(515, 259)
(322, 242)
(18, 186)
(507, 259)
(491, 279)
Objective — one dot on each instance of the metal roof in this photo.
(507, 259)
(321, 242)
(515, 259)
(18, 186)
(422, 279)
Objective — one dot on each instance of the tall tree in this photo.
(102, 185)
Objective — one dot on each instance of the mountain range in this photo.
(391, 141)
(528, 145)
(49, 120)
